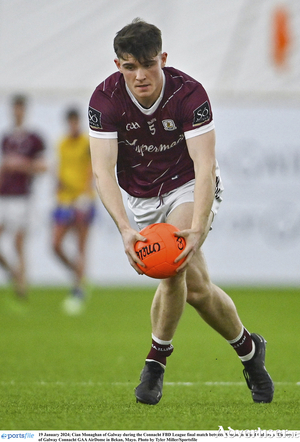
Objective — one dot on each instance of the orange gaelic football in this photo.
(160, 250)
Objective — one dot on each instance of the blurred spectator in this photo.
(75, 210)
(22, 158)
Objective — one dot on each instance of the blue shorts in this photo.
(72, 215)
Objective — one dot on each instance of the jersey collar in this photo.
(154, 106)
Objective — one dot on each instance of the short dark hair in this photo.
(72, 113)
(140, 39)
(19, 99)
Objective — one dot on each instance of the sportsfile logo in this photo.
(17, 435)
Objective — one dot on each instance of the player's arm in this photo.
(90, 177)
(38, 165)
(20, 163)
(104, 154)
(202, 151)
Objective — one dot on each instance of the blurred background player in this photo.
(75, 209)
(22, 158)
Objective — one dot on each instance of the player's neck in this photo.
(19, 128)
(152, 107)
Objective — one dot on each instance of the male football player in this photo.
(75, 205)
(155, 123)
(22, 159)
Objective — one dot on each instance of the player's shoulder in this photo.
(84, 138)
(36, 139)
(110, 87)
(186, 89)
(63, 141)
(66, 139)
(106, 102)
(177, 76)
(5, 136)
(34, 134)
(84, 142)
(9, 133)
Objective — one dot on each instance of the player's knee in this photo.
(173, 285)
(199, 294)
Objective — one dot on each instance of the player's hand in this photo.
(193, 241)
(130, 237)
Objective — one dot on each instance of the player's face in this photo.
(74, 126)
(144, 80)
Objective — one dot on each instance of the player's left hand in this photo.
(194, 241)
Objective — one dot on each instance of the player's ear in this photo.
(117, 63)
(163, 59)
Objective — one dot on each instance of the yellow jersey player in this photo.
(75, 207)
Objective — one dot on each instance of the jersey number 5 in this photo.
(152, 129)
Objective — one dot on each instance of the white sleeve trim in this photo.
(103, 135)
(199, 131)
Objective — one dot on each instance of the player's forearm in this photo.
(112, 200)
(18, 163)
(38, 166)
(202, 152)
(204, 196)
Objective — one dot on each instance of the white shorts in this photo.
(14, 212)
(148, 211)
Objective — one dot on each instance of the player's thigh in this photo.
(181, 217)
(197, 275)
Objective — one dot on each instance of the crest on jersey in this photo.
(169, 124)
(202, 114)
(95, 118)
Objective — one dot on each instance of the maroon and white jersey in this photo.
(28, 145)
(152, 153)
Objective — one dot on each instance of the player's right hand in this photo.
(130, 237)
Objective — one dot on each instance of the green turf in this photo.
(60, 373)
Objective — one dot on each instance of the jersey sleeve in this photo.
(196, 111)
(102, 118)
(38, 145)
(42, 146)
